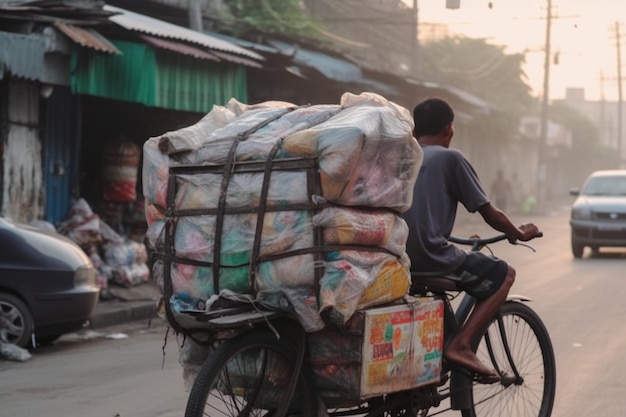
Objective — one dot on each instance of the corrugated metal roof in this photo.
(244, 43)
(260, 48)
(238, 59)
(178, 47)
(22, 55)
(142, 23)
(76, 12)
(333, 68)
(86, 37)
(480, 104)
(185, 49)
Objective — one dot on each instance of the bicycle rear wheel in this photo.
(532, 393)
(249, 376)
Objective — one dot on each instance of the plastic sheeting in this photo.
(217, 224)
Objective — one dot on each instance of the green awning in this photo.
(157, 78)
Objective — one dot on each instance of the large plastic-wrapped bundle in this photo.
(293, 207)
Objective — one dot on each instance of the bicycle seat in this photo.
(427, 281)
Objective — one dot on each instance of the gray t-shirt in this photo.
(445, 179)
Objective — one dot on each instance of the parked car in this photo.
(47, 284)
(598, 216)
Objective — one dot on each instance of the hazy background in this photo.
(583, 35)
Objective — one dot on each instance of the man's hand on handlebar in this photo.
(529, 231)
(477, 237)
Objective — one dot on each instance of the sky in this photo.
(583, 33)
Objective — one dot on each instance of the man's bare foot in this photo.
(463, 356)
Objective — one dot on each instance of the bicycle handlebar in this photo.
(485, 241)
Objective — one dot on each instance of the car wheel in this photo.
(16, 320)
(577, 249)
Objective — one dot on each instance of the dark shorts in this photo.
(481, 275)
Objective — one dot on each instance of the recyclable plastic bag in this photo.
(345, 225)
(208, 186)
(359, 279)
(82, 225)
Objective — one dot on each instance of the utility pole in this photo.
(195, 15)
(414, 41)
(542, 168)
(619, 96)
(603, 119)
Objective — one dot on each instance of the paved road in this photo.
(581, 302)
(88, 374)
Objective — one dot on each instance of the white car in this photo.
(598, 216)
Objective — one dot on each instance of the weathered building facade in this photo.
(81, 76)
(22, 166)
(75, 78)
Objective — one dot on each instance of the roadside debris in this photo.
(11, 351)
(116, 336)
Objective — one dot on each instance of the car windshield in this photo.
(605, 186)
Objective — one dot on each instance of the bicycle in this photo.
(259, 364)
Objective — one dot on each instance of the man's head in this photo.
(431, 117)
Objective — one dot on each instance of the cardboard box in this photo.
(383, 350)
(402, 347)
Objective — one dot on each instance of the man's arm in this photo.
(496, 218)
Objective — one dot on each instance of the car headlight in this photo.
(85, 276)
(581, 213)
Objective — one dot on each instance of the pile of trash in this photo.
(11, 351)
(294, 207)
(116, 259)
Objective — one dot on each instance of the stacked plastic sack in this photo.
(321, 239)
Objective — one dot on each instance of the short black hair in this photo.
(431, 116)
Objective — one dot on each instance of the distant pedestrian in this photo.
(518, 194)
(501, 191)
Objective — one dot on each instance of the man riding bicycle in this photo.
(446, 178)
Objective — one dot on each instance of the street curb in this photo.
(111, 313)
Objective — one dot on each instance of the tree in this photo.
(587, 153)
(486, 71)
(268, 16)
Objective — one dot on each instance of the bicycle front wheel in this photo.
(250, 376)
(529, 383)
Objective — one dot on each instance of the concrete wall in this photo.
(23, 180)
